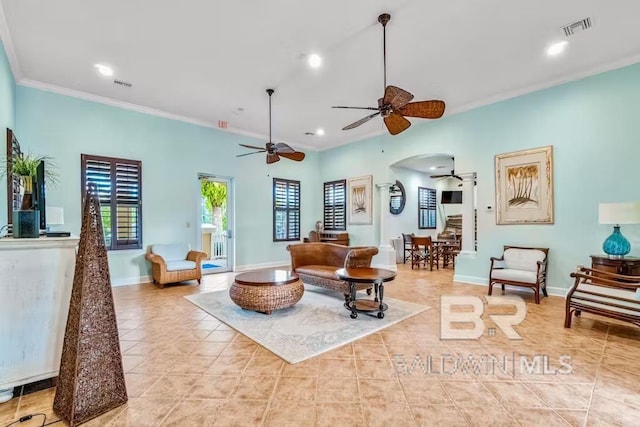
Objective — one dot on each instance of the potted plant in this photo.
(24, 167)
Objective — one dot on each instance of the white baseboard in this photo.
(283, 264)
(125, 281)
(481, 281)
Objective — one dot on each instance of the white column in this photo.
(468, 213)
(386, 257)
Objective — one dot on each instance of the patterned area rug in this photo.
(316, 324)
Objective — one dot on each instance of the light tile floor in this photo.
(183, 368)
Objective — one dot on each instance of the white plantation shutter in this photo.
(426, 208)
(118, 183)
(335, 205)
(286, 210)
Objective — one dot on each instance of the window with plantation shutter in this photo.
(286, 210)
(426, 208)
(118, 184)
(335, 205)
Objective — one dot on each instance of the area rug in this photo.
(319, 322)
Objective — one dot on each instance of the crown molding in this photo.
(140, 108)
(514, 93)
(47, 87)
(7, 41)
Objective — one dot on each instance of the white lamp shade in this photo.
(619, 213)
(54, 215)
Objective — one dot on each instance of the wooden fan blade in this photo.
(356, 108)
(441, 176)
(361, 121)
(457, 177)
(252, 146)
(281, 147)
(433, 109)
(298, 156)
(272, 158)
(396, 123)
(248, 154)
(396, 97)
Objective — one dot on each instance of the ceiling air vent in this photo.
(576, 27)
(122, 83)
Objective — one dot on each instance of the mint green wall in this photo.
(172, 154)
(594, 127)
(7, 119)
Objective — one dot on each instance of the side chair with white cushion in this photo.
(519, 266)
(176, 262)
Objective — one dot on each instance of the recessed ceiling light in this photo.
(314, 60)
(433, 168)
(104, 70)
(320, 131)
(557, 48)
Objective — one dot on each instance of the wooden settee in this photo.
(520, 266)
(604, 293)
(316, 263)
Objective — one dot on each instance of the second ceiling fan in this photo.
(395, 104)
(449, 175)
(274, 150)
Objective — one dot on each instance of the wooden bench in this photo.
(520, 266)
(605, 294)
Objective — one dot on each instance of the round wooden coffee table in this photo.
(266, 290)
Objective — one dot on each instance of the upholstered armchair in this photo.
(520, 266)
(172, 263)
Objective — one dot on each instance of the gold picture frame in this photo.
(360, 193)
(524, 186)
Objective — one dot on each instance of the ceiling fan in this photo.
(274, 151)
(449, 175)
(394, 106)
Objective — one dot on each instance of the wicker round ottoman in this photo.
(266, 290)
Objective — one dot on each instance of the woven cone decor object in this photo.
(91, 379)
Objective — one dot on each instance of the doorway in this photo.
(215, 210)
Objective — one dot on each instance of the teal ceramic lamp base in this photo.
(616, 245)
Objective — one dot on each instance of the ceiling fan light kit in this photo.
(395, 104)
(274, 151)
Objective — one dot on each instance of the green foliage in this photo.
(26, 164)
(214, 193)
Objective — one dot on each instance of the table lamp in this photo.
(616, 245)
(55, 216)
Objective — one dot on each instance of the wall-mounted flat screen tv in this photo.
(451, 197)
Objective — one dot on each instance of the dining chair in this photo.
(422, 252)
(449, 253)
(408, 246)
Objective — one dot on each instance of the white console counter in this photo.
(36, 277)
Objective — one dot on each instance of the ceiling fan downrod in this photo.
(270, 92)
(384, 19)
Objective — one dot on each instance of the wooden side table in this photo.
(375, 276)
(629, 266)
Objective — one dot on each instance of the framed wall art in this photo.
(524, 186)
(360, 200)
